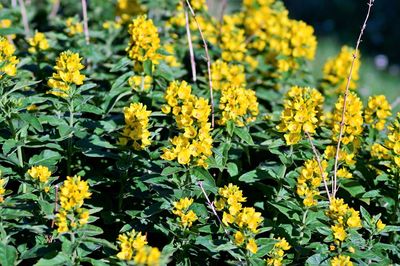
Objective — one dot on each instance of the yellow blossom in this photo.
(301, 113)
(140, 83)
(38, 42)
(41, 173)
(136, 126)
(341, 260)
(144, 41)
(377, 111)
(252, 246)
(68, 67)
(336, 71)
(380, 225)
(73, 27)
(8, 62)
(187, 217)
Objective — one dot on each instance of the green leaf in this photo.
(232, 169)
(171, 170)
(32, 120)
(8, 255)
(148, 67)
(123, 62)
(249, 177)
(46, 157)
(202, 174)
(60, 259)
(244, 135)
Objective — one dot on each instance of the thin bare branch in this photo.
(13, 3)
(54, 9)
(189, 38)
(24, 18)
(342, 122)
(211, 205)
(317, 156)
(208, 59)
(85, 21)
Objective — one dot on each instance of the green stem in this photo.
(123, 178)
(69, 149)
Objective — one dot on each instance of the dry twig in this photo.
(319, 165)
(85, 21)
(24, 18)
(208, 59)
(189, 37)
(211, 205)
(342, 122)
(54, 9)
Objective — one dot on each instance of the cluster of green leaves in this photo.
(136, 189)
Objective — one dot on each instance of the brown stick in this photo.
(334, 183)
(54, 9)
(208, 59)
(319, 165)
(24, 18)
(189, 37)
(13, 3)
(211, 205)
(85, 21)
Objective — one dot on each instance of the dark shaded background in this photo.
(342, 19)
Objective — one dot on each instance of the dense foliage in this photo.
(165, 135)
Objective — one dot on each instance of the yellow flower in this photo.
(354, 220)
(239, 105)
(38, 42)
(352, 250)
(133, 247)
(341, 260)
(252, 246)
(239, 238)
(276, 255)
(336, 71)
(353, 119)
(226, 75)
(301, 113)
(187, 217)
(377, 111)
(68, 67)
(136, 126)
(73, 192)
(233, 41)
(109, 24)
(338, 232)
(393, 142)
(41, 173)
(194, 144)
(309, 181)
(2, 189)
(170, 59)
(380, 225)
(73, 27)
(144, 41)
(126, 9)
(8, 62)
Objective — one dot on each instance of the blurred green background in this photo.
(338, 22)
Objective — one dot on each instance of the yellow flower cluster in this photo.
(309, 181)
(41, 173)
(343, 217)
(393, 141)
(7, 23)
(2, 189)
(73, 27)
(170, 59)
(72, 194)
(8, 62)
(377, 111)
(140, 83)
(181, 209)
(336, 70)
(233, 41)
(302, 113)
(245, 219)
(194, 145)
(136, 126)
(144, 41)
(341, 260)
(379, 151)
(126, 9)
(239, 105)
(226, 75)
(38, 43)
(277, 253)
(68, 67)
(133, 247)
(288, 41)
(353, 119)
(109, 24)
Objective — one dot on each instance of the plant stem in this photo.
(69, 149)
